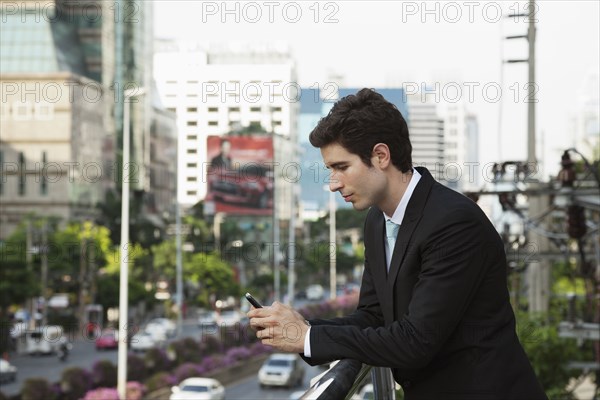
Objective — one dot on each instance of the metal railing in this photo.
(346, 377)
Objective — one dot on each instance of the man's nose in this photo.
(334, 184)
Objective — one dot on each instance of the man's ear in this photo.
(381, 155)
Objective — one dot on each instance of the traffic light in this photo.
(567, 176)
(508, 201)
(576, 222)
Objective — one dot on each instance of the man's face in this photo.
(358, 184)
(225, 148)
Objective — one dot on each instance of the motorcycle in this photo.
(63, 351)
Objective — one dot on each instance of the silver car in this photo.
(281, 370)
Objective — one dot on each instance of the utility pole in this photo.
(531, 158)
(179, 268)
(82, 281)
(92, 268)
(276, 234)
(44, 255)
(332, 247)
(127, 97)
(538, 270)
(292, 243)
(29, 263)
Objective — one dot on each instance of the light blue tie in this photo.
(391, 232)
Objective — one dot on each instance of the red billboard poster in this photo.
(239, 174)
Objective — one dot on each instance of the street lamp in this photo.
(124, 267)
(332, 242)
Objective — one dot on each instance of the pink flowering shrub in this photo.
(102, 394)
(104, 374)
(212, 363)
(236, 354)
(188, 370)
(160, 380)
(134, 390)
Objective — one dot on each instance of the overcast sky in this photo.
(459, 45)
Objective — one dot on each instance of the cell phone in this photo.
(253, 301)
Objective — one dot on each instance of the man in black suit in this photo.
(434, 304)
(222, 160)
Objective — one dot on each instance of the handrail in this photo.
(358, 381)
(383, 383)
(339, 382)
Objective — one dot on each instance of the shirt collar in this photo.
(401, 209)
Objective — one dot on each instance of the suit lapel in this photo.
(414, 210)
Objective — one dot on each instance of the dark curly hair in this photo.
(358, 122)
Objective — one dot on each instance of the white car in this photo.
(207, 319)
(198, 389)
(315, 292)
(157, 331)
(170, 326)
(44, 340)
(18, 329)
(8, 373)
(142, 341)
(229, 318)
(281, 370)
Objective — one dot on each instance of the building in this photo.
(162, 164)
(71, 61)
(426, 129)
(53, 139)
(219, 91)
(462, 169)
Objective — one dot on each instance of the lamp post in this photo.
(332, 242)
(124, 266)
(332, 252)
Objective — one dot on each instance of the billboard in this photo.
(239, 174)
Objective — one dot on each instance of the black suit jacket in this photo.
(441, 318)
(221, 161)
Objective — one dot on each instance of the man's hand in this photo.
(279, 326)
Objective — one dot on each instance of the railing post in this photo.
(383, 383)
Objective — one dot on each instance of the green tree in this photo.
(78, 243)
(109, 281)
(214, 276)
(18, 282)
(547, 352)
(345, 218)
(164, 259)
(141, 229)
(199, 232)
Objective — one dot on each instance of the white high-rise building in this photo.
(462, 166)
(426, 129)
(216, 91)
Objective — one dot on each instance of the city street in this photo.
(84, 354)
(249, 387)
